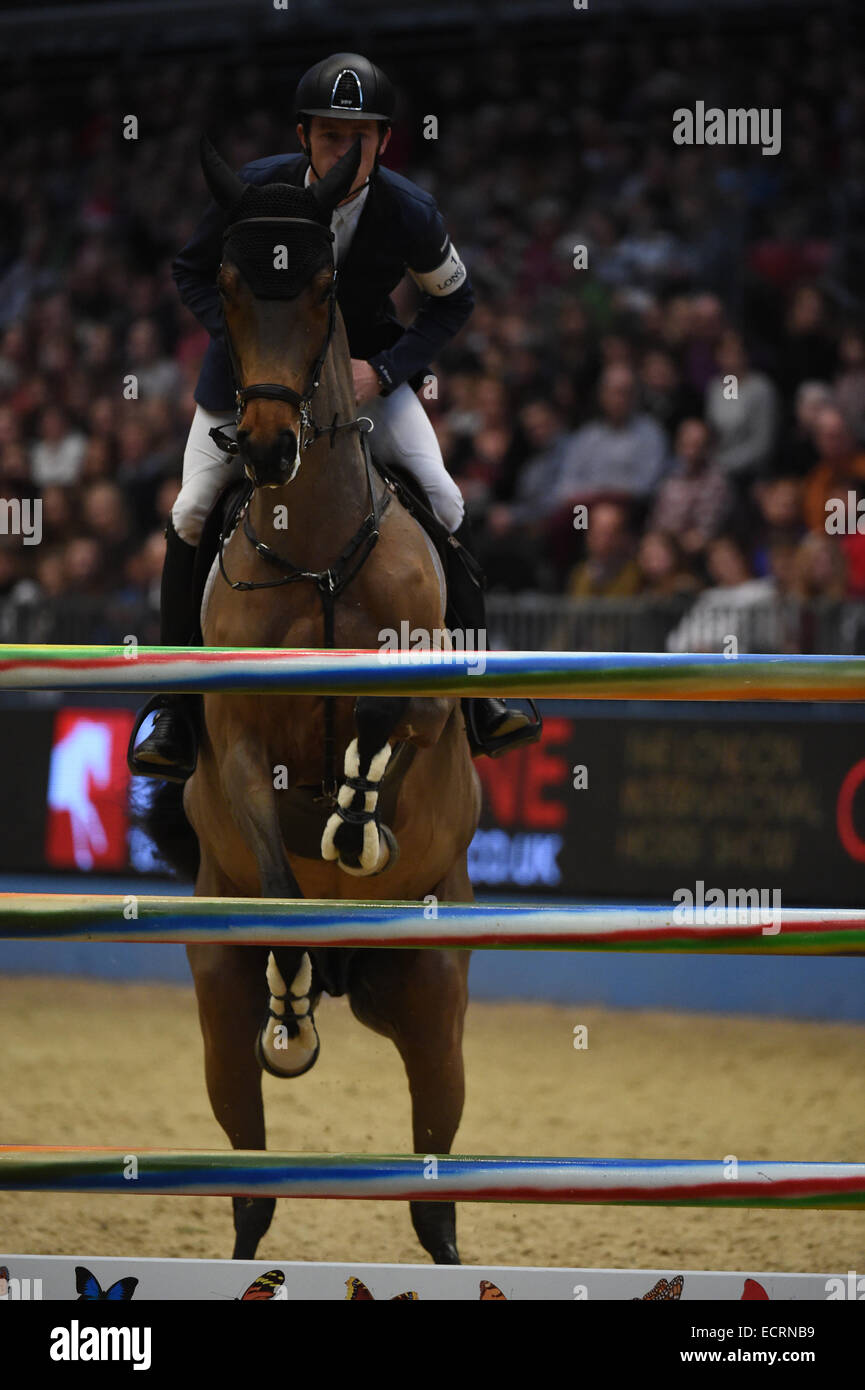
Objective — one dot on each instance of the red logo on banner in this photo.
(844, 818)
(518, 787)
(87, 790)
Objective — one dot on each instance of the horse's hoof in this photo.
(282, 1073)
(288, 1044)
(447, 1255)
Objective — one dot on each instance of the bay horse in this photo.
(271, 816)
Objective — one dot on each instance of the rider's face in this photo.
(330, 138)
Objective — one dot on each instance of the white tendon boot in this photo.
(353, 828)
(276, 1050)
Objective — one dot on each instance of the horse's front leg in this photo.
(287, 1043)
(354, 835)
(418, 999)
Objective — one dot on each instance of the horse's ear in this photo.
(226, 187)
(337, 181)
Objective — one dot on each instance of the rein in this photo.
(330, 582)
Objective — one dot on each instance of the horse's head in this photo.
(276, 282)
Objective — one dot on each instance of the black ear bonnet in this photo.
(278, 257)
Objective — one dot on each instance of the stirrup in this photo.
(497, 744)
(168, 772)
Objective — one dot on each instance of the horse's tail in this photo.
(158, 811)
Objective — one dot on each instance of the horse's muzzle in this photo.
(269, 465)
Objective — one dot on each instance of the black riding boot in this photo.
(170, 750)
(492, 726)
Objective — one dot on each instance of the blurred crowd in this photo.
(664, 414)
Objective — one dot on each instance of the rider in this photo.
(385, 226)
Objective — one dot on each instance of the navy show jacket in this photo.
(399, 228)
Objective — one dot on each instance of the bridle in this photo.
(275, 391)
(332, 581)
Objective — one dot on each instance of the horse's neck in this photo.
(312, 518)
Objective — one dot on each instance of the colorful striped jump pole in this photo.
(571, 675)
(472, 926)
(442, 1178)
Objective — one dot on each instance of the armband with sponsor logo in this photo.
(446, 277)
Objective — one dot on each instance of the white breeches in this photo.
(402, 435)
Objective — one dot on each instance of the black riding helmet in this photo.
(346, 86)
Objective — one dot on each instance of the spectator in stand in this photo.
(743, 414)
(850, 382)
(807, 349)
(15, 472)
(142, 466)
(609, 569)
(797, 455)
(60, 518)
(703, 324)
(99, 359)
(575, 349)
(821, 568)
(10, 427)
(51, 574)
(780, 505)
(663, 393)
(622, 452)
(58, 454)
(840, 466)
(512, 546)
(13, 357)
(539, 479)
(12, 571)
(695, 499)
(84, 567)
(107, 519)
(98, 459)
(663, 567)
(142, 570)
(480, 470)
(157, 375)
(730, 609)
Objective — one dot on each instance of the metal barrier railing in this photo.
(521, 622)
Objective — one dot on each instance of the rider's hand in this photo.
(366, 381)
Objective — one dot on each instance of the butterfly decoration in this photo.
(665, 1291)
(491, 1291)
(358, 1292)
(90, 1290)
(269, 1285)
(753, 1292)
